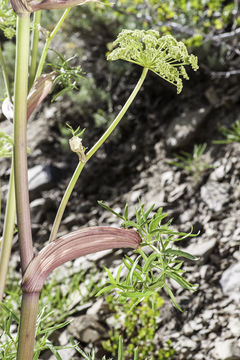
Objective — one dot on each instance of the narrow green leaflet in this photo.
(180, 253)
(157, 259)
(170, 293)
(109, 209)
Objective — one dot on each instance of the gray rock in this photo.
(234, 326)
(184, 128)
(227, 350)
(42, 178)
(86, 328)
(177, 193)
(201, 248)
(187, 329)
(188, 343)
(220, 172)
(207, 315)
(215, 195)
(39, 207)
(65, 354)
(206, 272)
(230, 282)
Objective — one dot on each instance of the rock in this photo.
(86, 328)
(187, 329)
(201, 248)
(39, 207)
(188, 215)
(188, 343)
(234, 326)
(207, 315)
(206, 272)
(95, 310)
(184, 128)
(230, 282)
(215, 195)
(42, 177)
(95, 257)
(135, 196)
(65, 354)
(177, 193)
(227, 350)
(196, 324)
(220, 172)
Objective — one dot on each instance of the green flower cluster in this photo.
(163, 55)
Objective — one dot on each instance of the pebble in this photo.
(227, 350)
(230, 282)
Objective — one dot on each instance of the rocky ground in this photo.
(133, 165)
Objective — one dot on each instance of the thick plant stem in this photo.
(35, 38)
(5, 76)
(20, 140)
(91, 152)
(8, 231)
(48, 42)
(29, 312)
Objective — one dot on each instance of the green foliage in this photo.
(156, 260)
(190, 17)
(194, 163)
(68, 76)
(231, 134)
(7, 19)
(55, 307)
(138, 326)
(6, 145)
(165, 56)
(90, 99)
(76, 132)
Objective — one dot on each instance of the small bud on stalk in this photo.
(76, 146)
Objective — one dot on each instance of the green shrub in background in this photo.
(193, 163)
(231, 134)
(138, 326)
(189, 17)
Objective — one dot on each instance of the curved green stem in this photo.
(48, 42)
(35, 38)
(64, 201)
(90, 153)
(20, 140)
(5, 75)
(119, 117)
(8, 230)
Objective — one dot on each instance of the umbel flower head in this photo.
(163, 55)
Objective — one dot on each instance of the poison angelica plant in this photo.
(156, 260)
(147, 273)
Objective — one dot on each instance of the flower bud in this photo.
(76, 146)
